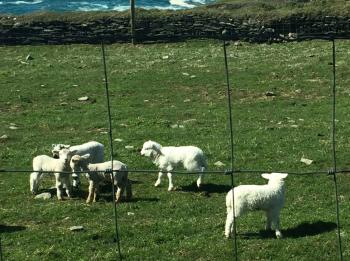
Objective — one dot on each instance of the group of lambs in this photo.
(67, 161)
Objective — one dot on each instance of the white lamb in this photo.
(167, 158)
(44, 163)
(96, 175)
(269, 198)
(95, 149)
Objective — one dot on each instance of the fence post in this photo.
(224, 33)
(132, 21)
(0, 250)
(334, 170)
(117, 238)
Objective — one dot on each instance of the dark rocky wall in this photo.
(174, 27)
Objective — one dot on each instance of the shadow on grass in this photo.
(206, 188)
(309, 229)
(10, 229)
(302, 230)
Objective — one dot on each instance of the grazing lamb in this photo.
(96, 175)
(95, 149)
(167, 158)
(269, 198)
(43, 163)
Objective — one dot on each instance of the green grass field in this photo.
(154, 88)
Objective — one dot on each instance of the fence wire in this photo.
(117, 238)
(232, 171)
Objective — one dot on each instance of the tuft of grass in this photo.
(152, 88)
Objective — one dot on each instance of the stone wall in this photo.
(172, 27)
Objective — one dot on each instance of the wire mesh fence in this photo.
(296, 31)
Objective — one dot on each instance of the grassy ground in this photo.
(153, 88)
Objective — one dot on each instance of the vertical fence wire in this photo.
(117, 238)
(334, 170)
(229, 103)
(0, 250)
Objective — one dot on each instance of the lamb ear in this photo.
(66, 146)
(283, 175)
(86, 156)
(74, 152)
(53, 145)
(266, 175)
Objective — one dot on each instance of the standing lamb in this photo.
(44, 163)
(95, 149)
(269, 198)
(167, 158)
(96, 174)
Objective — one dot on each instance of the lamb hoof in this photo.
(157, 184)
(171, 188)
(279, 235)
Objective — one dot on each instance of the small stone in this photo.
(185, 74)
(129, 147)
(131, 213)
(193, 76)
(145, 100)
(118, 140)
(187, 100)
(306, 161)
(13, 128)
(270, 94)
(189, 121)
(219, 164)
(76, 228)
(29, 57)
(45, 196)
(4, 137)
(175, 126)
(165, 57)
(84, 98)
(294, 126)
(63, 103)
(75, 85)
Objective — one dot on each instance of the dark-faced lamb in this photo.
(96, 174)
(95, 149)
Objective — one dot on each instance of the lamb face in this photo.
(56, 149)
(150, 149)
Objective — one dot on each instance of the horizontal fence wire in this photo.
(224, 172)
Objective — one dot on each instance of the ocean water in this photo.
(30, 6)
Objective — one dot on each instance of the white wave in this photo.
(120, 8)
(26, 2)
(181, 3)
(85, 6)
(199, 1)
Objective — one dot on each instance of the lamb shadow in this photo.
(302, 230)
(206, 188)
(10, 229)
(134, 200)
(309, 229)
